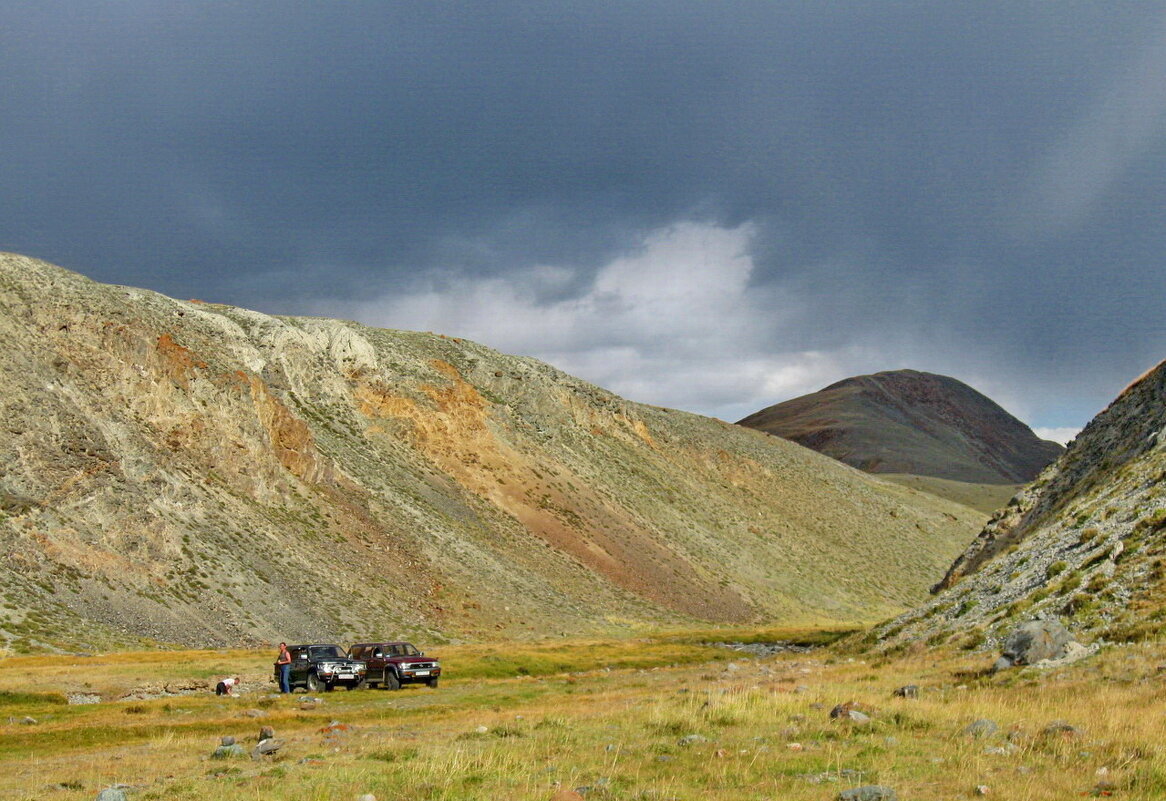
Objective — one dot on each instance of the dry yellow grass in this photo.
(745, 729)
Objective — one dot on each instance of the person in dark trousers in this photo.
(225, 686)
(283, 662)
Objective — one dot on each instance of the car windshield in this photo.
(326, 652)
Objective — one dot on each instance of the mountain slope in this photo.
(1085, 543)
(201, 474)
(905, 421)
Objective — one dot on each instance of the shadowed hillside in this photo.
(910, 422)
(207, 474)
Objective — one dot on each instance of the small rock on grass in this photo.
(692, 739)
(1103, 789)
(231, 751)
(981, 728)
(266, 748)
(852, 711)
(111, 794)
(1000, 750)
(869, 792)
(1061, 730)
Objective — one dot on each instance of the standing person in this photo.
(283, 662)
(225, 686)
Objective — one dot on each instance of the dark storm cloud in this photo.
(975, 189)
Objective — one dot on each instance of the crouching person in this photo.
(226, 686)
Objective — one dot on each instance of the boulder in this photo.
(1033, 642)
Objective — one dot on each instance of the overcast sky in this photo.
(708, 205)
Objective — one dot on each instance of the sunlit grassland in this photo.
(118, 672)
(696, 723)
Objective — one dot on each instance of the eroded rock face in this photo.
(190, 472)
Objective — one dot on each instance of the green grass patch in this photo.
(9, 698)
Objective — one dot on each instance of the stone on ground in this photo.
(870, 792)
(1034, 642)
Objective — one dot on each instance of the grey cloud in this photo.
(294, 157)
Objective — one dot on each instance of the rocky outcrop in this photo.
(909, 422)
(1085, 543)
(197, 473)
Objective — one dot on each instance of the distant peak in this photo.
(909, 421)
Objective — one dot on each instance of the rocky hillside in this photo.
(1085, 543)
(905, 421)
(203, 474)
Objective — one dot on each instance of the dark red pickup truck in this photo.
(392, 664)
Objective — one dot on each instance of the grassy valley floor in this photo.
(984, 498)
(660, 718)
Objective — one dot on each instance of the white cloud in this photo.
(674, 323)
(679, 322)
(1061, 435)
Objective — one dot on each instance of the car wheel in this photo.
(432, 682)
(391, 682)
(360, 685)
(314, 684)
